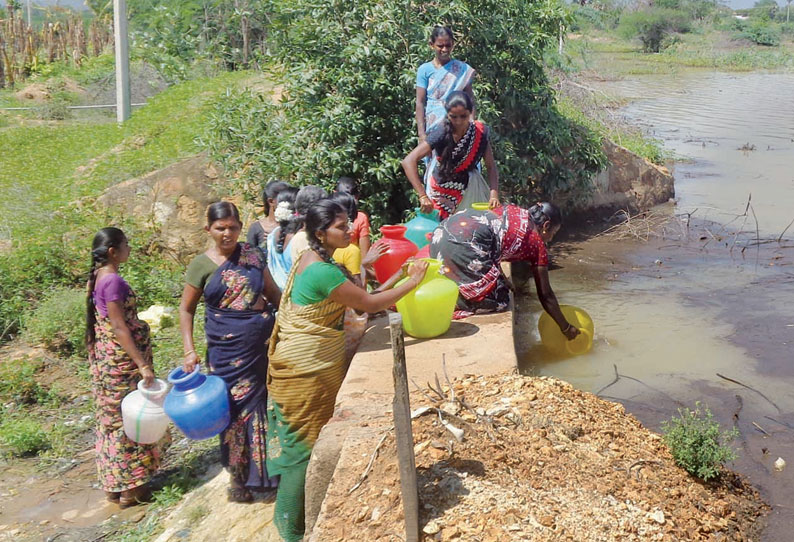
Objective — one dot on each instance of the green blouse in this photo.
(316, 282)
(199, 271)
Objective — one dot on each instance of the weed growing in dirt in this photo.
(696, 442)
(197, 513)
(23, 437)
(59, 321)
(18, 384)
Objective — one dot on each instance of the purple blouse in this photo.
(109, 288)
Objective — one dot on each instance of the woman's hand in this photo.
(425, 204)
(493, 203)
(190, 361)
(417, 270)
(148, 375)
(376, 251)
(571, 332)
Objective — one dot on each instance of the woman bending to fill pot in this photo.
(452, 180)
(120, 355)
(307, 354)
(234, 280)
(472, 244)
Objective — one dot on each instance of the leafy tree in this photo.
(347, 80)
(653, 25)
(233, 31)
(766, 9)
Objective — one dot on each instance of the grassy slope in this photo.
(41, 160)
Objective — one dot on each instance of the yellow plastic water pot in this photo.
(556, 342)
(427, 309)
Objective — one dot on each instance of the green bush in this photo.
(696, 442)
(588, 16)
(18, 383)
(653, 26)
(58, 322)
(19, 437)
(762, 33)
(348, 77)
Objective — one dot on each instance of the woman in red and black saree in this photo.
(472, 245)
(456, 146)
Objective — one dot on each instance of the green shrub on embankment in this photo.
(51, 175)
(349, 90)
(697, 443)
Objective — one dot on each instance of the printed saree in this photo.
(237, 338)
(472, 245)
(307, 367)
(452, 76)
(447, 185)
(121, 463)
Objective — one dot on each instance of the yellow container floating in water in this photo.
(427, 309)
(556, 342)
(481, 206)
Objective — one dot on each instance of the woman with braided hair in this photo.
(307, 353)
(120, 355)
(472, 245)
(456, 147)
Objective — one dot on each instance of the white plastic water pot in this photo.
(142, 413)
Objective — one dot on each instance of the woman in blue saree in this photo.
(240, 297)
(435, 80)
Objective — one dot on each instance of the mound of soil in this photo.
(539, 460)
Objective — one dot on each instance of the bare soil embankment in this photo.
(539, 460)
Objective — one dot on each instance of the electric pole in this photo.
(123, 103)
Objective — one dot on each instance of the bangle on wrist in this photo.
(190, 352)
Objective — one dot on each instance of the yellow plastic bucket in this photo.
(480, 206)
(554, 340)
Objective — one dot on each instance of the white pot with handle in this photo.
(142, 413)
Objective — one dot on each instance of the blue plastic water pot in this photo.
(198, 404)
(420, 226)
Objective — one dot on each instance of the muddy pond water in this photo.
(700, 311)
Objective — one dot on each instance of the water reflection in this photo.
(706, 118)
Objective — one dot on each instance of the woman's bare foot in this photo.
(137, 495)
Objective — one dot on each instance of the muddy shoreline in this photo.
(737, 281)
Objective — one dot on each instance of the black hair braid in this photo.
(282, 236)
(99, 257)
(316, 246)
(104, 240)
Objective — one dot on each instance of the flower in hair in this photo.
(283, 212)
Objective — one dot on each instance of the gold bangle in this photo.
(425, 197)
(190, 352)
